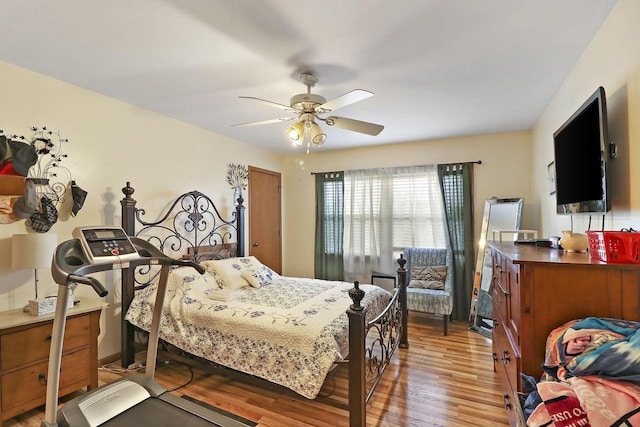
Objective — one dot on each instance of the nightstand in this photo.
(24, 355)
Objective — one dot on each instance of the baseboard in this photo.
(116, 356)
(109, 359)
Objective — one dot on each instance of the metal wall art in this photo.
(41, 161)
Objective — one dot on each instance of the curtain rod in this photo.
(477, 162)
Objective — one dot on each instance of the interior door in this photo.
(265, 213)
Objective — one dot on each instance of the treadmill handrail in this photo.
(91, 281)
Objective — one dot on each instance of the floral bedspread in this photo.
(289, 332)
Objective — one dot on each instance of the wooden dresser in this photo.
(24, 355)
(535, 290)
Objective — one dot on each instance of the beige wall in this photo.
(612, 60)
(101, 133)
(502, 155)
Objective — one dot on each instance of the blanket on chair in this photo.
(592, 375)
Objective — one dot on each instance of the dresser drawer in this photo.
(500, 304)
(500, 270)
(30, 345)
(74, 369)
(506, 355)
(506, 364)
(513, 300)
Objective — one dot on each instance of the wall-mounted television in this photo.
(580, 148)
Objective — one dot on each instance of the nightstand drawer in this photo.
(75, 369)
(30, 345)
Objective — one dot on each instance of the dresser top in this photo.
(524, 253)
(17, 317)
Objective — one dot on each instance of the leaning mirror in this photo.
(499, 214)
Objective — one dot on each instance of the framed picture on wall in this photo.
(551, 175)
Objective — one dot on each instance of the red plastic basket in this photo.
(615, 246)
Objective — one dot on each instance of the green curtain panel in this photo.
(456, 181)
(329, 226)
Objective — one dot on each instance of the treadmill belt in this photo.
(158, 413)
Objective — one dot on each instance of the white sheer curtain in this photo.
(387, 210)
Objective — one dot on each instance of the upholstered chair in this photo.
(424, 266)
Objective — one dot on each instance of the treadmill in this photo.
(134, 400)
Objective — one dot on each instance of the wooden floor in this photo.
(437, 381)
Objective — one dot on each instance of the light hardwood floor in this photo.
(437, 381)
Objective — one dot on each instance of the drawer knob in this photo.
(507, 404)
(42, 377)
(495, 357)
(505, 357)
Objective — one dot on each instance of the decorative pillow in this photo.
(180, 275)
(228, 272)
(426, 284)
(429, 277)
(256, 278)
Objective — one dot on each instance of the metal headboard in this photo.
(191, 227)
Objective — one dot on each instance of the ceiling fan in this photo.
(308, 107)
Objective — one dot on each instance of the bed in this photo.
(241, 315)
(591, 376)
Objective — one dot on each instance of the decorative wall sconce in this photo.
(49, 175)
(237, 177)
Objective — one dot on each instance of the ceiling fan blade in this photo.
(269, 103)
(344, 100)
(354, 125)
(265, 122)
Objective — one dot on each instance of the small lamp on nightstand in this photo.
(33, 251)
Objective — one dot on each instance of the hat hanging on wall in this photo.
(79, 195)
(3, 147)
(16, 157)
(24, 156)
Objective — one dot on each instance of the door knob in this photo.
(256, 244)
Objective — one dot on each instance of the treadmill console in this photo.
(105, 244)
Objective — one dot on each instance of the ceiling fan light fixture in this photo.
(318, 137)
(295, 133)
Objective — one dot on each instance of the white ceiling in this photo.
(438, 68)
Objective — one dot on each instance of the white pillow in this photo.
(228, 272)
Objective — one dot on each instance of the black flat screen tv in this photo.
(580, 149)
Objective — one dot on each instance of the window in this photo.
(332, 209)
(386, 210)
